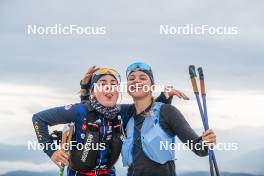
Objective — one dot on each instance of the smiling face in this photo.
(139, 85)
(105, 91)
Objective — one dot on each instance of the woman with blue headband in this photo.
(152, 125)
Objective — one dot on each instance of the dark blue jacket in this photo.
(70, 113)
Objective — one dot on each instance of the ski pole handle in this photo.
(201, 77)
(193, 76)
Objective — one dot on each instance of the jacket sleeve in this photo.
(163, 99)
(50, 117)
(174, 123)
(85, 97)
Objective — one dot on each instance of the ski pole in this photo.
(196, 92)
(206, 124)
(203, 92)
(66, 139)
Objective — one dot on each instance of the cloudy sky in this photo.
(42, 71)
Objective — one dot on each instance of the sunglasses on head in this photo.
(137, 66)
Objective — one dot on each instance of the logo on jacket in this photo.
(67, 107)
(88, 143)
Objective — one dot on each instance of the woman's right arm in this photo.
(86, 83)
(50, 117)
